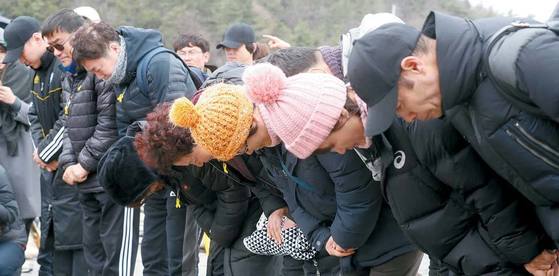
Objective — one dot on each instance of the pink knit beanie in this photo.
(301, 110)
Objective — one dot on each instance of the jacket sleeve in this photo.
(203, 216)
(537, 73)
(67, 156)
(231, 210)
(8, 205)
(50, 147)
(21, 110)
(105, 133)
(508, 229)
(314, 229)
(168, 79)
(35, 125)
(481, 189)
(268, 200)
(359, 199)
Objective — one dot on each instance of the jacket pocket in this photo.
(536, 147)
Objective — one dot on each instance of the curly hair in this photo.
(160, 143)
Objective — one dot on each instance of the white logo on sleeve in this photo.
(399, 159)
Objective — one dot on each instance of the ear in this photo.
(206, 56)
(412, 63)
(114, 46)
(37, 37)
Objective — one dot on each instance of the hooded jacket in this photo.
(167, 78)
(521, 147)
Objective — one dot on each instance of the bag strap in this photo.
(500, 62)
(300, 182)
(142, 70)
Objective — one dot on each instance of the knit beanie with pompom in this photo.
(301, 110)
(219, 122)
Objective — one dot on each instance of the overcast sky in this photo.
(540, 9)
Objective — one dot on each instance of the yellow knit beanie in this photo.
(219, 122)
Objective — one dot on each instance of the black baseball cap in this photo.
(374, 71)
(236, 35)
(16, 35)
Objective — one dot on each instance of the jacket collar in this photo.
(459, 55)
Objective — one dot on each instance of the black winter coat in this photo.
(90, 125)
(452, 206)
(345, 203)
(219, 204)
(521, 147)
(167, 78)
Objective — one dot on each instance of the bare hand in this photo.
(288, 223)
(275, 42)
(68, 177)
(335, 250)
(52, 166)
(6, 95)
(77, 173)
(38, 160)
(542, 264)
(275, 223)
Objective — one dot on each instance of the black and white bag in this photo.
(294, 242)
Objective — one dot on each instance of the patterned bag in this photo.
(294, 242)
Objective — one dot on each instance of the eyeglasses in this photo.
(58, 46)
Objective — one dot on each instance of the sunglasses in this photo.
(58, 46)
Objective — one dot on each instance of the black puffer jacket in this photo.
(90, 124)
(344, 202)
(167, 78)
(11, 225)
(521, 147)
(220, 205)
(452, 206)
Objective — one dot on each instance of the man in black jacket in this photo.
(109, 230)
(439, 73)
(25, 43)
(117, 56)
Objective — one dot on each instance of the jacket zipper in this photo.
(539, 149)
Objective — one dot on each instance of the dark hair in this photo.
(421, 47)
(294, 60)
(352, 109)
(65, 20)
(191, 40)
(160, 143)
(262, 50)
(251, 48)
(92, 41)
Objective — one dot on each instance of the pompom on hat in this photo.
(219, 122)
(301, 110)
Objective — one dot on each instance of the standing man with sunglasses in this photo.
(25, 43)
